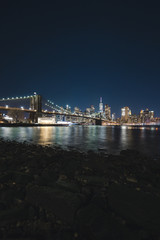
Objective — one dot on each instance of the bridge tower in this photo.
(36, 104)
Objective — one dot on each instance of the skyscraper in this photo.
(113, 116)
(107, 110)
(146, 116)
(125, 114)
(101, 106)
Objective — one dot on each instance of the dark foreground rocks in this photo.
(48, 193)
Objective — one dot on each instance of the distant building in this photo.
(101, 106)
(113, 117)
(125, 114)
(146, 115)
(88, 111)
(68, 108)
(134, 119)
(92, 109)
(107, 111)
(77, 110)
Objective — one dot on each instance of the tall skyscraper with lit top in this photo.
(100, 105)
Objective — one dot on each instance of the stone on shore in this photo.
(138, 208)
(63, 204)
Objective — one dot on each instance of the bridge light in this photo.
(12, 97)
(6, 106)
(3, 98)
(22, 107)
(29, 108)
(8, 98)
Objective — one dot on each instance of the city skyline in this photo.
(75, 52)
(104, 110)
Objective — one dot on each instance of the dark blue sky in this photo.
(73, 52)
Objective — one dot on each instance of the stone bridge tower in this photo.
(36, 104)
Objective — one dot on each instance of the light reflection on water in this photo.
(111, 138)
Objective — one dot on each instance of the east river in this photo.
(111, 139)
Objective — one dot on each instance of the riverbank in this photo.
(50, 193)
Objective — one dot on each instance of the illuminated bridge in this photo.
(32, 107)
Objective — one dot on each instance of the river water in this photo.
(111, 139)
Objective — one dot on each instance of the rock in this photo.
(95, 224)
(13, 215)
(129, 152)
(92, 180)
(62, 203)
(70, 166)
(131, 179)
(17, 177)
(68, 186)
(138, 208)
(99, 199)
(47, 178)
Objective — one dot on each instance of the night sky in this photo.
(74, 52)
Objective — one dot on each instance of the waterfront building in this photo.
(101, 105)
(146, 115)
(46, 120)
(107, 111)
(134, 119)
(125, 114)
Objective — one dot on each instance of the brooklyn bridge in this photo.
(35, 107)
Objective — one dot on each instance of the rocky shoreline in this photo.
(48, 193)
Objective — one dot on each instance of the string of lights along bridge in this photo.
(47, 103)
(40, 110)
